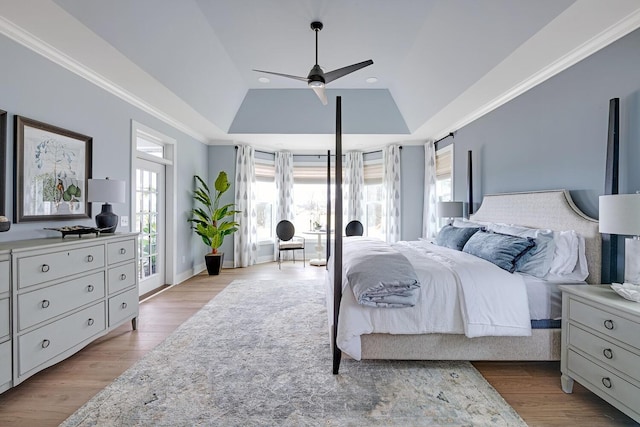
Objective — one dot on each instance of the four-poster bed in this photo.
(550, 210)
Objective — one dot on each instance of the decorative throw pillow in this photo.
(537, 260)
(500, 249)
(454, 237)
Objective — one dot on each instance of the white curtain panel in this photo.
(429, 219)
(245, 242)
(354, 186)
(392, 186)
(284, 189)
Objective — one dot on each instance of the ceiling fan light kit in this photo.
(317, 78)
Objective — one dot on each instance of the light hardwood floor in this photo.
(49, 397)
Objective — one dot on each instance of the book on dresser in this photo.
(601, 345)
(58, 295)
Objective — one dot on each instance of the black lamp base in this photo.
(106, 220)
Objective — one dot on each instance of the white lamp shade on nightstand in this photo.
(620, 214)
(449, 209)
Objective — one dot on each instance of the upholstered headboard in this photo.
(554, 210)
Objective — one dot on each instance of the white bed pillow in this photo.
(465, 223)
(565, 258)
(580, 271)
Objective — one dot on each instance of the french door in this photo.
(150, 224)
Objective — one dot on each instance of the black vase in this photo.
(214, 263)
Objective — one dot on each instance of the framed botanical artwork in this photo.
(3, 160)
(51, 172)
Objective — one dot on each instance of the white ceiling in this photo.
(439, 63)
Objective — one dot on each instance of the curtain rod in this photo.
(445, 137)
(332, 155)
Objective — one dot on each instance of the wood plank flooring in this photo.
(49, 397)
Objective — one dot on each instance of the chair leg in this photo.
(279, 253)
(304, 257)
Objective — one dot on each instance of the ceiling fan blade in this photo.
(304, 79)
(340, 72)
(320, 92)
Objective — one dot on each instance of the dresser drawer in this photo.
(46, 303)
(122, 277)
(123, 306)
(42, 344)
(5, 318)
(5, 362)
(121, 251)
(600, 378)
(604, 351)
(43, 268)
(5, 276)
(604, 322)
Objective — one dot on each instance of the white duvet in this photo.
(459, 294)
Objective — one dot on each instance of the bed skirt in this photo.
(543, 344)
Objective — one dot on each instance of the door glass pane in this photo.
(147, 221)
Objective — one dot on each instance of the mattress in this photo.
(545, 297)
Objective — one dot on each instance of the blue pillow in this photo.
(537, 260)
(501, 249)
(454, 237)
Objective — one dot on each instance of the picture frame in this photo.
(3, 161)
(52, 166)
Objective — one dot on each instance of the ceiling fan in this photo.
(318, 78)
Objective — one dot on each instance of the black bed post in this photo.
(337, 253)
(610, 241)
(470, 182)
(328, 226)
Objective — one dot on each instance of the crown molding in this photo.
(39, 46)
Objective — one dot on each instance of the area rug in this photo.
(258, 355)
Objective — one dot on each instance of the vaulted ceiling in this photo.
(438, 64)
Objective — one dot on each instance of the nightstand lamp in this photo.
(107, 191)
(449, 210)
(620, 214)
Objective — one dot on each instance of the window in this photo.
(310, 196)
(444, 177)
(265, 196)
(373, 199)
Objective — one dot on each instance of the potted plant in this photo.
(211, 221)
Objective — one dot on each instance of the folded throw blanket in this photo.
(379, 275)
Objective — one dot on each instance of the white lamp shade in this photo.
(106, 190)
(620, 214)
(449, 209)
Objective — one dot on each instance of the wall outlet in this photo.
(124, 221)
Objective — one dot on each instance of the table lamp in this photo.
(449, 210)
(107, 191)
(620, 214)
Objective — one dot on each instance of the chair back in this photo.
(285, 230)
(354, 228)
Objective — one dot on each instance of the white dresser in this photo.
(64, 294)
(601, 345)
(5, 321)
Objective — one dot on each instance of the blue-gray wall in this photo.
(34, 87)
(412, 181)
(554, 136)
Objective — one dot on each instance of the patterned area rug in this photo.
(258, 354)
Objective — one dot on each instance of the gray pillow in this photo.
(537, 260)
(454, 237)
(501, 249)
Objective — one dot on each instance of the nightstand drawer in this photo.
(606, 323)
(5, 276)
(4, 318)
(42, 344)
(46, 303)
(607, 382)
(604, 351)
(5, 362)
(121, 251)
(44, 268)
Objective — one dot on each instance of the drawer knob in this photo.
(123, 305)
(606, 381)
(608, 353)
(123, 251)
(90, 322)
(608, 324)
(90, 288)
(45, 343)
(44, 268)
(90, 258)
(45, 303)
(123, 276)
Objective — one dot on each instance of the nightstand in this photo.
(601, 345)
